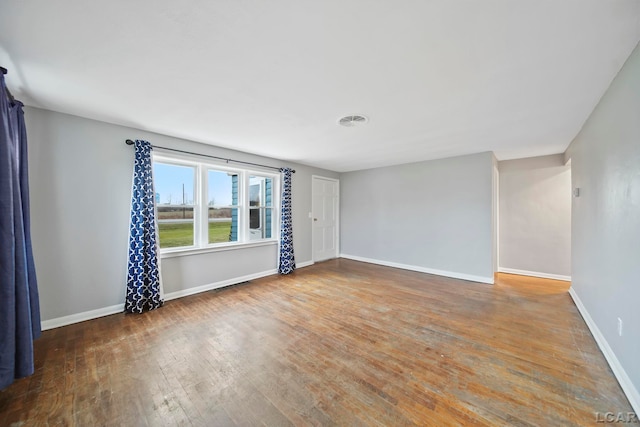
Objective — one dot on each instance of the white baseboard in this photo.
(217, 285)
(81, 317)
(304, 264)
(621, 375)
(451, 274)
(534, 274)
(119, 308)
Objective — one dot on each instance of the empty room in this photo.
(319, 213)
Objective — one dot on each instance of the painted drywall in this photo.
(80, 177)
(495, 184)
(434, 215)
(535, 216)
(605, 162)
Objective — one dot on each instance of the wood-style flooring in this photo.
(337, 343)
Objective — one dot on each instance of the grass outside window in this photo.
(181, 234)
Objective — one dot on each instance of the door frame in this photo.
(337, 236)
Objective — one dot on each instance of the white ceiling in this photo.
(436, 78)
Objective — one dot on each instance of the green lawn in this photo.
(181, 234)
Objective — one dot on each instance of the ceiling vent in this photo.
(351, 121)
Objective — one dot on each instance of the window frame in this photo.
(201, 206)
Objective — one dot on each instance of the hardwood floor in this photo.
(337, 343)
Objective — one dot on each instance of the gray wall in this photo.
(494, 212)
(435, 215)
(535, 215)
(80, 177)
(605, 162)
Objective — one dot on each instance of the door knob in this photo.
(315, 219)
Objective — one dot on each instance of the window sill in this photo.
(172, 253)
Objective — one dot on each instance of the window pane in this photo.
(175, 226)
(260, 223)
(223, 225)
(260, 211)
(174, 186)
(254, 218)
(223, 220)
(223, 188)
(255, 195)
(260, 191)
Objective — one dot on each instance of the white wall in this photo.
(433, 216)
(535, 216)
(80, 178)
(605, 162)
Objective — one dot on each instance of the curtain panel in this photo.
(144, 289)
(19, 302)
(286, 262)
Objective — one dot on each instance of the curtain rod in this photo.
(130, 142)
(11, 98)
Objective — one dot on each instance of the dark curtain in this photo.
(144, 291)
(19, 304)
(287, 262)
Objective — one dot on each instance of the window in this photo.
(202, 205)
(260, 207)
(223, 205)
(174, 185)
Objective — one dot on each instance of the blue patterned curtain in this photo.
(143, 278)
(287, 262)
(19, 303)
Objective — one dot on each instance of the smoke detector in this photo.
(351, 121)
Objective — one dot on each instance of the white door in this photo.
(325, 193)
